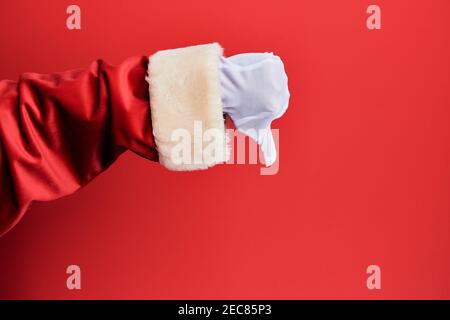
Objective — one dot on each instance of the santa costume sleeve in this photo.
(59, 131)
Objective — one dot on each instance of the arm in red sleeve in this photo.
(59, 131)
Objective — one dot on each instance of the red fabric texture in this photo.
(59, 131)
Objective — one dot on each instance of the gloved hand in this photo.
(254, 90)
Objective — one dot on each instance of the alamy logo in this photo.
(73, 21)
(73, 281)
(374, 279)
(210, 145)
(374, 20)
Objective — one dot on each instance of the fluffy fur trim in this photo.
(186, 107)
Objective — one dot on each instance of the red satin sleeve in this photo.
(59, 131)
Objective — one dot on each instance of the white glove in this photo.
(254, 93)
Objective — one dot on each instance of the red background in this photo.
(364, 170)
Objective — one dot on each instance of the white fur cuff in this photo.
(186, 107)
